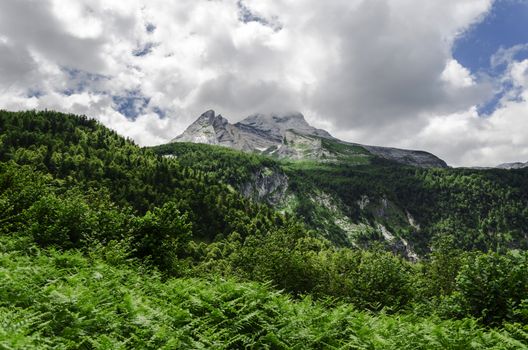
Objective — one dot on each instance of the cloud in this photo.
(32, 26)
(378, 72)
(468, 139)
(457, 75)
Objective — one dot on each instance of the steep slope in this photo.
(359, 199)
(290, 136)
(77, 150)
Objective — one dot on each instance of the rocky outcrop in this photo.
(213, 129)
(516, 165)
(266, 185)
(290, 136)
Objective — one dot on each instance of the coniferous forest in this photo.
(107, 245)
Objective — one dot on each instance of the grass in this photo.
(101, 300)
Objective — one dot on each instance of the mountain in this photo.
(347, 195)
(290, 136)
(516, 165)
(356, 195)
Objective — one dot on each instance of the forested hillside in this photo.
(107, 245)
(355, 200)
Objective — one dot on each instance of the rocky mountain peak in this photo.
(288, 136)
(207, 116)
(211, 118)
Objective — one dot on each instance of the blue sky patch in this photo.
(246, 15)
(150, 28)
(143, 51)
(132, 104)
(505, 26)
(488, 46)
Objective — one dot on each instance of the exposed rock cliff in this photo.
(266, 185)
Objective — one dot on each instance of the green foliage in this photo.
(224, 164)
(482, 209)
(162, 235)
(287, 257)
(370, 280)
(20, 187)
(444, 265)
(65, 300)
(81, 153)
(493, 287)
(93, 230)
(59, 222)
(295, 262)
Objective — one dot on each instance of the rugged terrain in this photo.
(290, 136)
(357, 195)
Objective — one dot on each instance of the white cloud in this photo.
(519, 74)
(468, 139)
(372, 71)
(457, 75)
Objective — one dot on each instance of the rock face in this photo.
(415, 158)
(517, 165)
(290, 136)
(255, 133)
(212, 129)
(266, 185)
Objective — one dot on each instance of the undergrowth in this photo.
(103, 300)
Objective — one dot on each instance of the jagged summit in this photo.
(258, 132)
(290, 136)
(208, 116)
(209, 128)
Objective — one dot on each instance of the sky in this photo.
(449, 77)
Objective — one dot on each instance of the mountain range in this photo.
(354, 194)
(515, 165)
(290, 136)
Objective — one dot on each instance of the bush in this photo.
(162, 235)
(72, 220)
(53, 221)
(369, 279)
(493, 287)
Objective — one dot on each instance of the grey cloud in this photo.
(239, 97)
(388, 70)
(32, 25)
(16, 64)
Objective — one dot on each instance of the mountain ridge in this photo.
(514, 165)
(290, 136)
